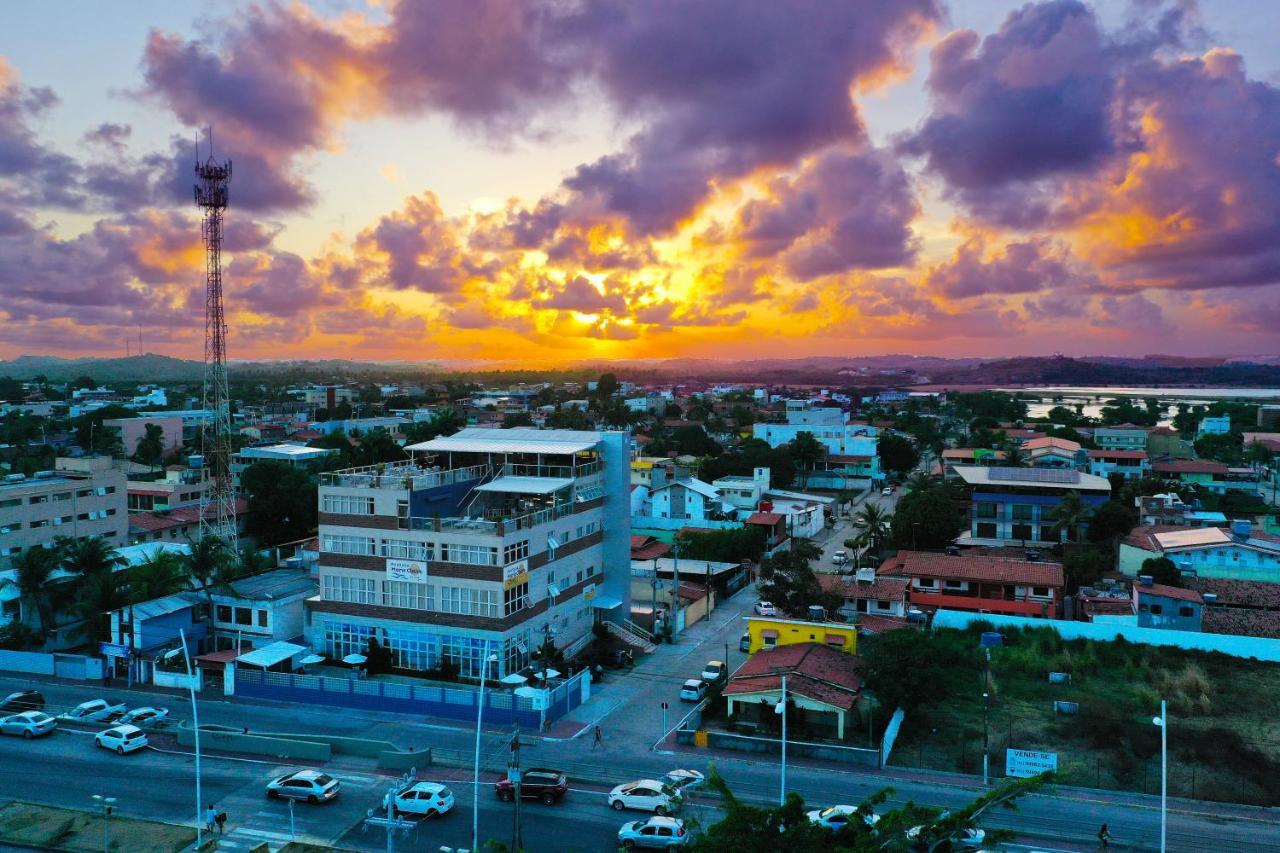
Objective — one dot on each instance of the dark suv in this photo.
(536, 783)
(25, 700)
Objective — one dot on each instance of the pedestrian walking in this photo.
(1104, 837)
(221, 821)
(210, 819)
(599, 739)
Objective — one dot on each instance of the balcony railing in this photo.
(586, 469)
(402, 477)
(493, 523)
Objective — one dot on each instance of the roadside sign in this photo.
(113, 650)
(1025, 763)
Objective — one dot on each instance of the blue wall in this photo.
(444, 501)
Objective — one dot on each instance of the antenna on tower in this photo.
(217, 500)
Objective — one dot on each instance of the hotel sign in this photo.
(410, 571)
(515, 574)
(589, 592)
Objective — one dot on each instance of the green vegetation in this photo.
(282, 502)
(1224, 736)
(751, 454)
(789, 582)
(723, 546)
(928, 518)
(896, 453)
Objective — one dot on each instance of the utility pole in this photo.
(514, 774)
(986, 718)
(781, 708)
(675, 589)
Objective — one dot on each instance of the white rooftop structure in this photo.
(561, 442)
(526, 485)
(1033, 478)
(270, 654)
(1192, 538)
(285, 451)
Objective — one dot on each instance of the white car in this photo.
(145, 716)
(94, 711)
(313, 786)
(836, 818)
(839, 558)
(714, 671)
(122, 739)
(646, 795)
(693, 690)
(28, 724)
(684, 780)
(963, 838)
(656, 832)
(423, 799)
(886, 491)
(766, 608)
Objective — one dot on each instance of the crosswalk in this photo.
(257, 821)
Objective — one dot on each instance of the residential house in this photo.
(262, 609)
(148, 629)
(743, 492)
(1170, 607)
(1168, 510)
(1248, 608)
(648, 547)
(829, 426)
(1018, 505)
(1165, 443)
(181, 485)
(805, 515)
(689, 500)
(769, 632)
(972, 456)
(868, 593)
(1215, 425)
(486, 542)
(774, 526)
(979, 583)
(1052, 452)
(1127, 463)
(1122, 437)
(1210, 552)
(1021, 435)
(179, 524)
(354, 426)
(822, 688)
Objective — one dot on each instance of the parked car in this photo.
(423, 799)
(693, 690)
(314, 786)
(840, 558)
(94, 711)
(122, 739)
(964, 838)
(684, 780)
(744, 642)
(656, 832)
(766, 608)
(886, 491)
(836, 818)
(647, 795)
(715, 671)
(23, 700)
(28, 724)
(145, 716)
(536, 783)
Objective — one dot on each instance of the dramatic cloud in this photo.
(1022, 267)
(31, 173)
(418, 249)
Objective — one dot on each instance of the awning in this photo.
(271, 654)
(601, 602)
(526, 485)
(216, 660)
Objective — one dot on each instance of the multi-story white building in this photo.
(294, 455)
(487, 542)
(78, 498)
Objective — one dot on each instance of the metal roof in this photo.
(526, 485)
(486, 440)
(271, 654)
(1042, 477)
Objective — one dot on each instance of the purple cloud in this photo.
(582, 296)
(1021, 267)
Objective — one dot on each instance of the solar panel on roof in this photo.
(1035, 475)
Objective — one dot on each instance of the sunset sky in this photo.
(538, 183)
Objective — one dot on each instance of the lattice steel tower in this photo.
(217, 501)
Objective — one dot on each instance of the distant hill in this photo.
(143, 368)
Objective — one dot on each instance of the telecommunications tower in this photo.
(217, 499)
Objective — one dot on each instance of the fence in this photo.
(457, 702)
(1262, 648)
(716, 739)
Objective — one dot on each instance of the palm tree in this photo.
(150, 449)
(807, 451)
(876, 520)
(160, 574)
(213, 566)
(1069, 514)
(97, 595)
(918, 482)
(33, 569)
(88, 556)
(254, 562)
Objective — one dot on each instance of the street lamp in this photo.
(105, 802)
(475, 791)
(1163, 722)
(781, 708)
(195, 727)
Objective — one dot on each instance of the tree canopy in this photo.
(787, 580)
(930, 518)
(897, 454)
(282, 502)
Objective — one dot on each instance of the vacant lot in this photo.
(52, 828)
(1224, 715)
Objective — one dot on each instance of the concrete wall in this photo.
(233, 740)
(746, 743)
(1262, 648)
(179, 680)
(34, 662)
(60, 665)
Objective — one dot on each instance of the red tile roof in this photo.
(814, 670)
(926, 564)
(870, 623)
(984, 605)
(1144, 537)
(1175, 592)
(881, 588)
(1050, 442)
(647, 547)
(1240, 621)
(1263, 594)
(769, 518)
(177, 517)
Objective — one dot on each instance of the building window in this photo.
(244, 616)
(473, 555)
(347, 504)
(414, 596)
(1157, 609)
(986, 530)
(224, 613)
(1186, 612)
(407, 549)
(515, 599)
(1022, 531)
(487, 603)
(515, 551)
(882, 605)
(262, 618)
(349, 589)
(1040, 591)
(955, 584)
(1021, 512)
(38, 499)
(360, 545)
(986, 510)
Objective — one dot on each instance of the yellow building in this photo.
(769, 632)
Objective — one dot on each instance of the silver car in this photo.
(28, 724)
(657, 832)
(314, 786)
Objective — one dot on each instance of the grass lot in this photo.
(53, 828)
(1224, 733)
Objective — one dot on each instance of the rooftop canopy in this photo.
(485, 440)
(525, 485)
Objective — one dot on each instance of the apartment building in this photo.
(978, 582)
(1018, 505)
(487, 541)
(79, 497)
(1123, 437)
